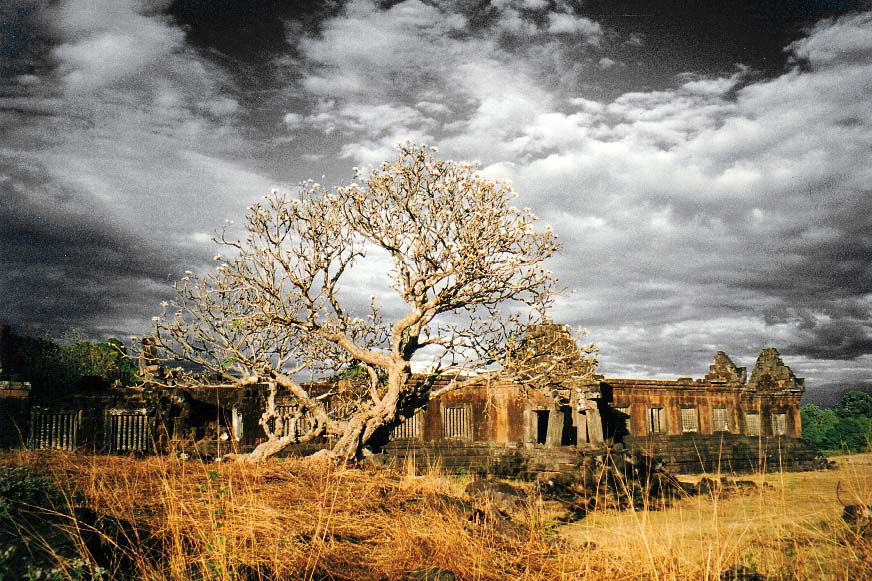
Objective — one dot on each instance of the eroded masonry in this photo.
(551, 415)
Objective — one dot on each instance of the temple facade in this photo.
(722, 402)
(556, 407)
(546, 411)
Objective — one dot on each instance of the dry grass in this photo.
(290, 519)
(789, 527)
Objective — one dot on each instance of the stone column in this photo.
(555, 427)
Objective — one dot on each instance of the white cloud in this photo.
(635, 39)
(561, 23)
(293, 120)
(109, 42)
(723, 213)
(465, 83)
(433, 109)
(535, 4)
(221, 106)
(139, 129)
(733, 199)
(847, 40)
(393, 39)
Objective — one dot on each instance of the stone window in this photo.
(50, 429)
(410, 429)
(623, 414)
(294, 421)
(456, 423)
(720, 420)
(779, 424)
(128, 431)
(689, 419)
(752, 424)
(656, 420)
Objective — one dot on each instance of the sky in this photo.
(707, 168)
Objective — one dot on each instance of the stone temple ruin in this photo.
(551, 414)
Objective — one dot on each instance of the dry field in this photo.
(158, 518)
(789, 527)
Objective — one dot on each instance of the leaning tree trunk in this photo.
(383, 413)
(361, 428)
(267, 449)
(355, 433)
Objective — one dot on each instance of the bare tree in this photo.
(467, 266)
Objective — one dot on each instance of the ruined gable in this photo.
(548, 356)
(723, 370)
(771, 374)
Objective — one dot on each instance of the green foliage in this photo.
(847, 427)
(53, 367)
(20, 488)
(220, 562)
(854, 433)
(35, 360)
(75, 569)
(818, 427)
(855, 404)
(107, 360)
(33, 509)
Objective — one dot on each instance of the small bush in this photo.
(22, 489)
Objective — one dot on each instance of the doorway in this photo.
(542, 417)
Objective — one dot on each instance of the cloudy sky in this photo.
(709, 170)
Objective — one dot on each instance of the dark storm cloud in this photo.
(252, 31)
(65, 267)
(116, 164)
(256, 42)
(24, 39)
(706, 37)
(821, 278)
(837, 339)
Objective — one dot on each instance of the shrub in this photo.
(22, 489)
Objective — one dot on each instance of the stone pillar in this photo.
(595, 427)
(149, 364)
(794, 423)
(588, 411)
(555, 427)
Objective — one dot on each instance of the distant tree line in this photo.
(54, 367)
(847, 427)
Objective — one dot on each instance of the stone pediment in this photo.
(771, 374)
(723, 370)
(548, 357)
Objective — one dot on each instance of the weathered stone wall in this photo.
(718, 422)
(494, 424)
(727, 453)
(510, 460)
(493, 410)
(687, 454)
(639, 397)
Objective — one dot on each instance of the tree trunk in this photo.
(386, 412)
(275, 443)
(359, 430)
(267, 449)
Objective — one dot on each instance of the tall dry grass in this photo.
(788, 526)
(161, 518)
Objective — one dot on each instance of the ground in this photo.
(160, 518)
